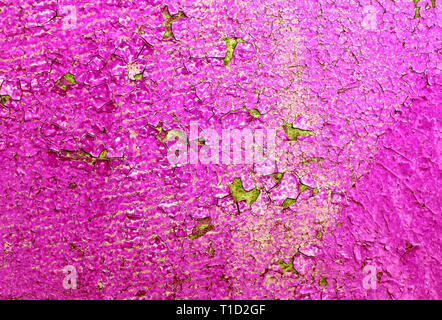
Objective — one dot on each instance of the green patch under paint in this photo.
(288, 266)
(161, 135)
(303, 187)
(204, 226)
(70, 78)
(239, 193)
(277, 176)
(417, 9)
(210, 250)
(72, 185)
(293, 133)
(313, 160)
(65, 81)
(84, 156)
(168, 20)
(319, 235)
(103, 154)
(255, 113)
(79, 155)
(288, 202)
(4, 99)
(323, 282)
(231, 44)
(315, 191)
(138, 76)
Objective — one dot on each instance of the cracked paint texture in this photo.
(91, 104)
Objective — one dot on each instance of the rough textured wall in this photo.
(92, 90)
